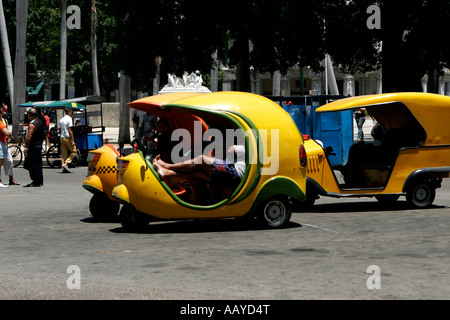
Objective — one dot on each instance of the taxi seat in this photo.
(363, 156)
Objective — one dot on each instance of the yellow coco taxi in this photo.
(100, 180)
(102, 172)
(274, 162)
(408, 157)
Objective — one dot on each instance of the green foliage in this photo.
(414, 37)
(347, 39)
(285, 33)
(281, 34)
(43, 39)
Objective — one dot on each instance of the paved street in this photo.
(322, 254)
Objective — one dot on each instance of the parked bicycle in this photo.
(16, 148)
(52, 155)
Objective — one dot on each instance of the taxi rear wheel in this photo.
(102, 208)
(275, 212)
(421, 195)
(131, 219)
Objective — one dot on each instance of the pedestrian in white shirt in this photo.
(68, 148)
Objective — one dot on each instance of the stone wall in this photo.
(110, 114)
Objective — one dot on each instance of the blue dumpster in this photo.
(89, 141)
(334, 129)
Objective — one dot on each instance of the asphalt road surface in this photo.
(51, 248)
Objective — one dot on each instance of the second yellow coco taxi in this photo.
(409, 156)
(274, 171)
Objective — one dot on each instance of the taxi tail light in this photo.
(93, 157)
(122, 164)
(302, 156)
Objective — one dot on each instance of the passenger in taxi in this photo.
(218, 173)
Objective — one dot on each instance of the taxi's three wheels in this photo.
(275, 212)
(102, 208)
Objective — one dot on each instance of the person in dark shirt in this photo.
(150, 129)
(33, 150)
(164, 144)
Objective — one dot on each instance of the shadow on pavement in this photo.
(201, 226)
(360, 206)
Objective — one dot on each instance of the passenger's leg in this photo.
(175, 177)
(202, 162)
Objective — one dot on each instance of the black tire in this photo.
(275, 212)
(421, 195)
(103, 209)
(133, 220)
(311, 196)
(16, 154)
(54, 157)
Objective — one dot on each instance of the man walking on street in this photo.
(68, 148)
(33, 151)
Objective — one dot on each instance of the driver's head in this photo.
(163, 125)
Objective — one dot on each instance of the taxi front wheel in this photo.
(276, 212)
(102, 208)
(421, 195)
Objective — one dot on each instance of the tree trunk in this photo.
(124, 115)
(94, 48)
(433, 81)
(6, 55)
(63, 57)
(20, 65)
(243, 66)
(276, 84)
(400, 69)
(214, 85)
(157, 78)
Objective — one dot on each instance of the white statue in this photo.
(189, 82)
(171, 81)
(198, 79)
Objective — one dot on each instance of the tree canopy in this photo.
(409, 44)
(267, 35)
(414, 35)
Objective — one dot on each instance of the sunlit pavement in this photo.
(329, 252)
